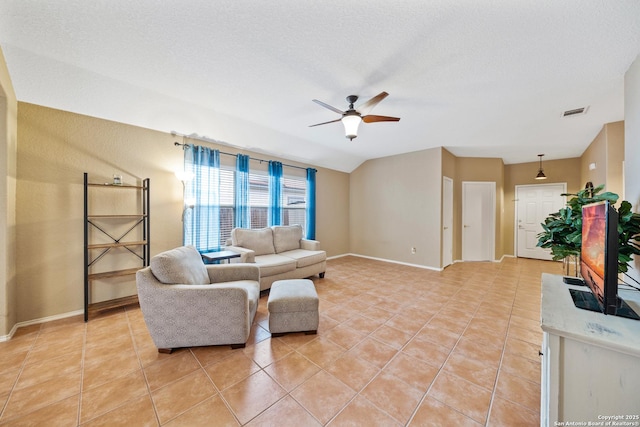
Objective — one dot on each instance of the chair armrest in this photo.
(232, 272)
(310, 245)
(246, 255)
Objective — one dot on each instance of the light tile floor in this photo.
(397, 345)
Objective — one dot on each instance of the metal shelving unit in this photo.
(136, 223)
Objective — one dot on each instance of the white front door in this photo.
(534, 204)
(478, 221)
(447, 221)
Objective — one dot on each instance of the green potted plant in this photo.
(563, 229)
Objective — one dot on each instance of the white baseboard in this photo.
(337, 256)
(494, 260)
(389, 260)
(37, 321)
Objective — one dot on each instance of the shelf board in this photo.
(115, 273)
(116, 216)
(114, 303)
(107, 185)
(115, 245)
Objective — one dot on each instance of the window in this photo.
(213, 205)
(227, 207)
(294, 202)
(258, 199)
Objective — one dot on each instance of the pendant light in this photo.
(541, 174)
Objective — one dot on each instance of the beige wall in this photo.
(557, 171)
(388, 195)
(632, 147)
(615, 158)
(606, 151)
(8, 143)
(395, 204)
(332, 211)
(54, 150)
(596, 153)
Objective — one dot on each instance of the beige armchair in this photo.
(186, 303)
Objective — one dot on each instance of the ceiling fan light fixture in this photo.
(352, 117)
(541, 174)
(351, 123)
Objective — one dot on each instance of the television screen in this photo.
(599, 253)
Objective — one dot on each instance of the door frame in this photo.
(515, 206)
(493, 187)
(446, 179)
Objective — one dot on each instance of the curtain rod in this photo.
(184, 146)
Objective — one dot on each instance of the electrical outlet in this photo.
(413, 250)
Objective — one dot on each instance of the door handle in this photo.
(446, 228)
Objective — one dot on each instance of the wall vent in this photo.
(575, 112)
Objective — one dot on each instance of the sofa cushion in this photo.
(286, 237)
(181, 265)
(260, 241)
(274, 264)
(305, 258)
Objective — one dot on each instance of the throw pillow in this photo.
(181, 265)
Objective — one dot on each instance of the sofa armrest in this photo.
(246, 255)
(232, 272)
(310, 245)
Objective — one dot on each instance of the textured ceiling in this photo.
(483, 78)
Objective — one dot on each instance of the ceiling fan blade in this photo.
(367, 106)
(373, 119)
(324, 123)
(328, 106)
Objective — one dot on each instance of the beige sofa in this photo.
(280, 252)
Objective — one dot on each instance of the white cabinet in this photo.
(590, 362)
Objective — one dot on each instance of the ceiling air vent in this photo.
(575, 112)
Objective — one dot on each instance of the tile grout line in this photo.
(144, 374)
(502, 358)
(20, 371)
(84, 350)
(398, 351)
(504, 349)
(441, 369)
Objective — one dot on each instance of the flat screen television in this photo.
(599, 254)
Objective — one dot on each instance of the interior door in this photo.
(447, 221)
(478, 221)
(534, 204)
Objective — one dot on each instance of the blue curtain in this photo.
(311, 204)
(274, 216)
(241, 197)
(202, 221)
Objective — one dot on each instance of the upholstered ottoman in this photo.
(293, 307)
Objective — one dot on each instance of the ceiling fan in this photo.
(352, 117)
